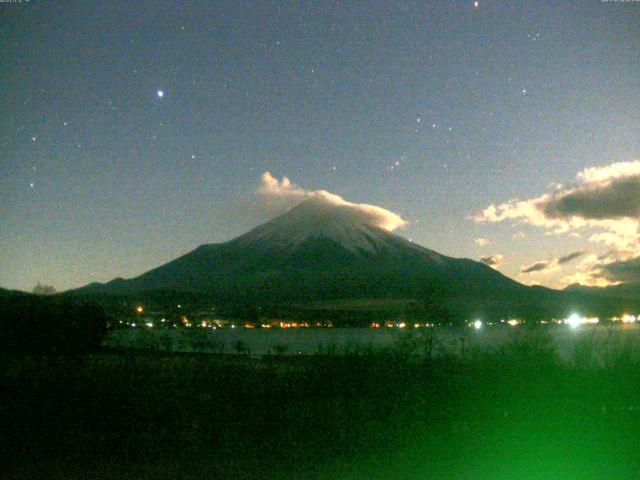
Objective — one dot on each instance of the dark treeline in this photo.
(50, 324)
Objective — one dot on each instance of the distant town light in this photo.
(149, 324)
(574, 320)
(139, 309)
(477, 324)
(629, 318)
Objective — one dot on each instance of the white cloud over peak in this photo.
(278, 196)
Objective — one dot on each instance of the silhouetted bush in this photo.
(50, 325)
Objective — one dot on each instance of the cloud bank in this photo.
(278, 196)
(603, 204)
(614, 199)
(622, 271)
(606, 199)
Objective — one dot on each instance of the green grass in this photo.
(517, 413)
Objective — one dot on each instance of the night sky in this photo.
(132, 132)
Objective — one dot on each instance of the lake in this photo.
(598, 340)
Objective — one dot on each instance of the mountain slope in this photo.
(318, 251)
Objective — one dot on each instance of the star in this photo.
(160, 93)
(524, 91)
(476, 4)
(32, 184)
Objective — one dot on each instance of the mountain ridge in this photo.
(623, 290)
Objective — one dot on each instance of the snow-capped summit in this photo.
(316, 218)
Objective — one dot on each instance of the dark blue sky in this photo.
(433, 110)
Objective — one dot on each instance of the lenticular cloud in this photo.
(281, 195)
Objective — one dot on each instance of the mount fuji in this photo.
(322, 252)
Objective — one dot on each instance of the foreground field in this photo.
(517, 412)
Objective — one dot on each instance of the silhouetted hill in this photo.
(624, 290)
(12, 293)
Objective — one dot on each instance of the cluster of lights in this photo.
(575, 320)
(216, 324)
(629, 318)
(399, 325)
(294, 325)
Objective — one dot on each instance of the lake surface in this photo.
(596, 340)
